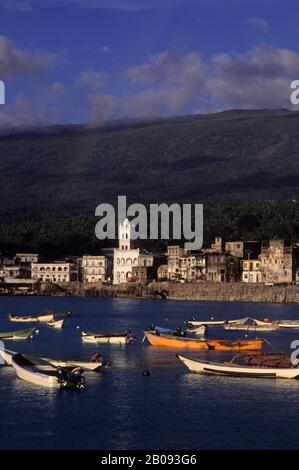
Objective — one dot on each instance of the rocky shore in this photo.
(208, 291)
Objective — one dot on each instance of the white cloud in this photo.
(105, 49)
(172, 83)
(15, 61)
(258, 23)
(102, 106)
(92, 79)
(13, 5)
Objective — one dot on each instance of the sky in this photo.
(73, 61)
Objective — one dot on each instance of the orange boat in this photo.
(179, 342)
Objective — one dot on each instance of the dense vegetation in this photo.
(243, 165)
(58, 236)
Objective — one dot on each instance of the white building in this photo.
(51, 272)
(251, 271)
(94, 268)
(125, 257)
(27, 257)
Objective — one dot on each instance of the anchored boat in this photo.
(56, 324)
(288, 324)
(160, 340)
(250, 324)
(43, 374)
(17, 335)
(124, 338)
(236, 370)
(30, 319)
(213, 322)
(94, 365)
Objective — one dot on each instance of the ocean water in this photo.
(122, 409)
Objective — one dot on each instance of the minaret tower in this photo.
(124, 235)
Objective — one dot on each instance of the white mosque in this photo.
(125, 257)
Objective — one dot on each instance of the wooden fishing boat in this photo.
(201, 344)
(166, 331)
(104, 338)
(213, 322)
(236, 370)
(294, 324)
(17, 335)
(30, 319)
(56, 324)
(93, 365)
(250, 324)
(45, 375)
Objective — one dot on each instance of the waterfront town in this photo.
(273, 263)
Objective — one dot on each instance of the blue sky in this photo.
(91, 60)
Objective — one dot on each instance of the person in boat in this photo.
(96, 357)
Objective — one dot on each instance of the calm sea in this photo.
(122, 409)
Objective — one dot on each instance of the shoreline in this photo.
(205, 291)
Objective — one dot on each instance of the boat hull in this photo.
(35, 377)
(202, 345)
(233, 370)
(17, 335)
(98, 339)
(56, 324)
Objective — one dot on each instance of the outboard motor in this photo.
(77, 379)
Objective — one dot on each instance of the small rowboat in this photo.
(288, 324)
(104, 338)
(57, 324)
(30, 319)
(213, 322)
(235, 370)
(17, 335)
(198, 331)
(94, 365)
(250, 324)
(201, 344)
(45, 375)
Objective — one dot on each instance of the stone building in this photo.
(125, 257)
(218, 244)
(241, 249)
(216, 267)
(192, 267)
(51, 272)
(278, 262)
(251, 271)
(94, 268)
(174, 253)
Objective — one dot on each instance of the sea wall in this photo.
(208, 291)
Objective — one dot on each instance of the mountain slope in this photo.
(247, 155)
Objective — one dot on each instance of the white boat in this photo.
(45, 375)
(90, 366)
(94, 366)
(213, 322)
(288, 324)
(198, 330)
(235, 370)
(57, 324)
(103, 338)
(251, 326)
(30, 319)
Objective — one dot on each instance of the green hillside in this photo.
(219, 159)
